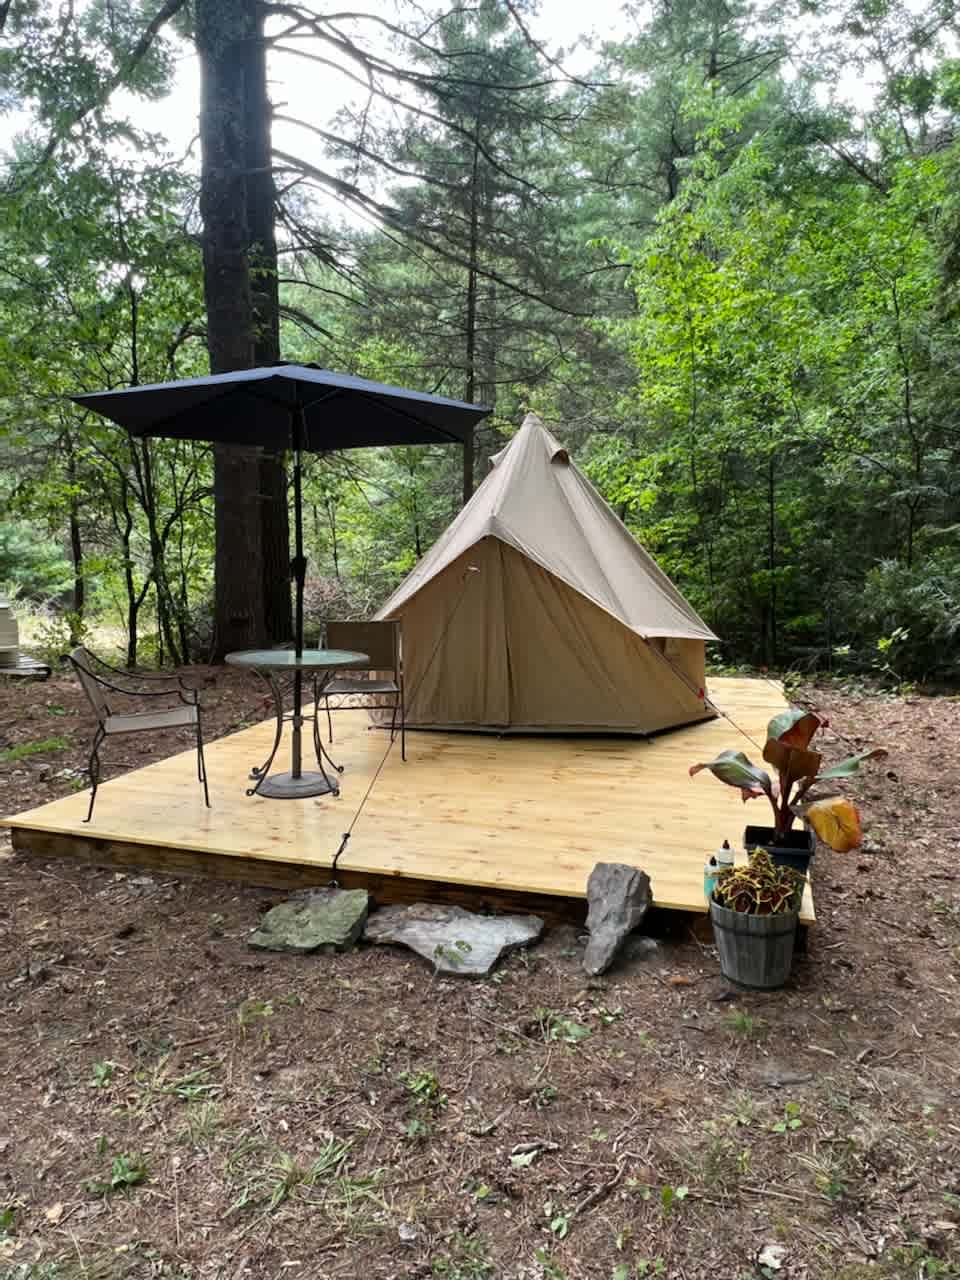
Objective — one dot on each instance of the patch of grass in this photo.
(194, 1086)
(8, 1221)
(744, 1025)
(353, 1202)
(265, 1187)
(465, 1258)
(46, 747)
(725, 1162)
(742, 1109)
(255, 1013)
(203, 1123)
(831, 1169)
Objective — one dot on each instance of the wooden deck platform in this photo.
(469, 817)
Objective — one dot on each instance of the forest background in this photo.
(721, 258)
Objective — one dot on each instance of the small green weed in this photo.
(831, 1169)
(424, 1088)
(454, 956)
(544, 1097)
(126, 1171)
(465, 1258)
(195, 1086)
(25, 749)
(103, 1074)
(672, 1197)
(265, 1187)
(554, 1027)
(203, 1123)
(792, 1119)
(744, 1025)
(551, 1270)
(255, 1014)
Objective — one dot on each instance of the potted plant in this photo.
(754, 910)
(834, 818)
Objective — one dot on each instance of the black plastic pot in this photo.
(795, 849)
(755, 951)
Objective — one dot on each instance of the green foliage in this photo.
(769, 405)
(26, 749)
(913, 614)
(792, 1119)
(31, 562)
(126, 1171)
(465, 1257)
(555, 1027)
(672, 1197)
(103, 1074)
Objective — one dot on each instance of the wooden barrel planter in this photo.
(755, 951)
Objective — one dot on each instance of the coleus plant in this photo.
(759, 888)
(833, 817)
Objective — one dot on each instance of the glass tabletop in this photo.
(287, 659)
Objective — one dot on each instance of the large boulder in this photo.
(457, 943)
(618, 897)
(324, 920)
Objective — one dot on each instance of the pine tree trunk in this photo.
(222, 29)
(470, 381)
(261, 226)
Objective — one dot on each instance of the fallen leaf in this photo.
(524, 1159)
(772, 1256)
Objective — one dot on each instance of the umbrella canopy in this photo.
(271, 407)
(288, 406)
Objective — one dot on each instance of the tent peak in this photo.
(532, 432)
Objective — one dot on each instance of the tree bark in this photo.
(470, 385)
(224, 30)
(261, 227)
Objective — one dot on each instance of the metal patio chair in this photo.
(103, 684)
(381, 642)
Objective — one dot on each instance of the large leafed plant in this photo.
(799, 769)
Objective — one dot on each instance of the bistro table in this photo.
(320, 666)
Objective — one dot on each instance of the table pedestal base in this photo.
(284, 786)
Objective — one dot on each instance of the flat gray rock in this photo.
(457, 943)
(618, 897)
(327, 920)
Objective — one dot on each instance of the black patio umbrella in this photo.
(288, 406)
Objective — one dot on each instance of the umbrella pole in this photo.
(299, 567)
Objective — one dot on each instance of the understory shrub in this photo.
(912, 616)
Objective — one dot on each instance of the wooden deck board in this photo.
(515, 815)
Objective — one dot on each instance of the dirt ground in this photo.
(176, 1105)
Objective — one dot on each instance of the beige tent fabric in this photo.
(511, 648)
(494, 638)
(537, 501)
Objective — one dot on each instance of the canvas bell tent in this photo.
(537, 611)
